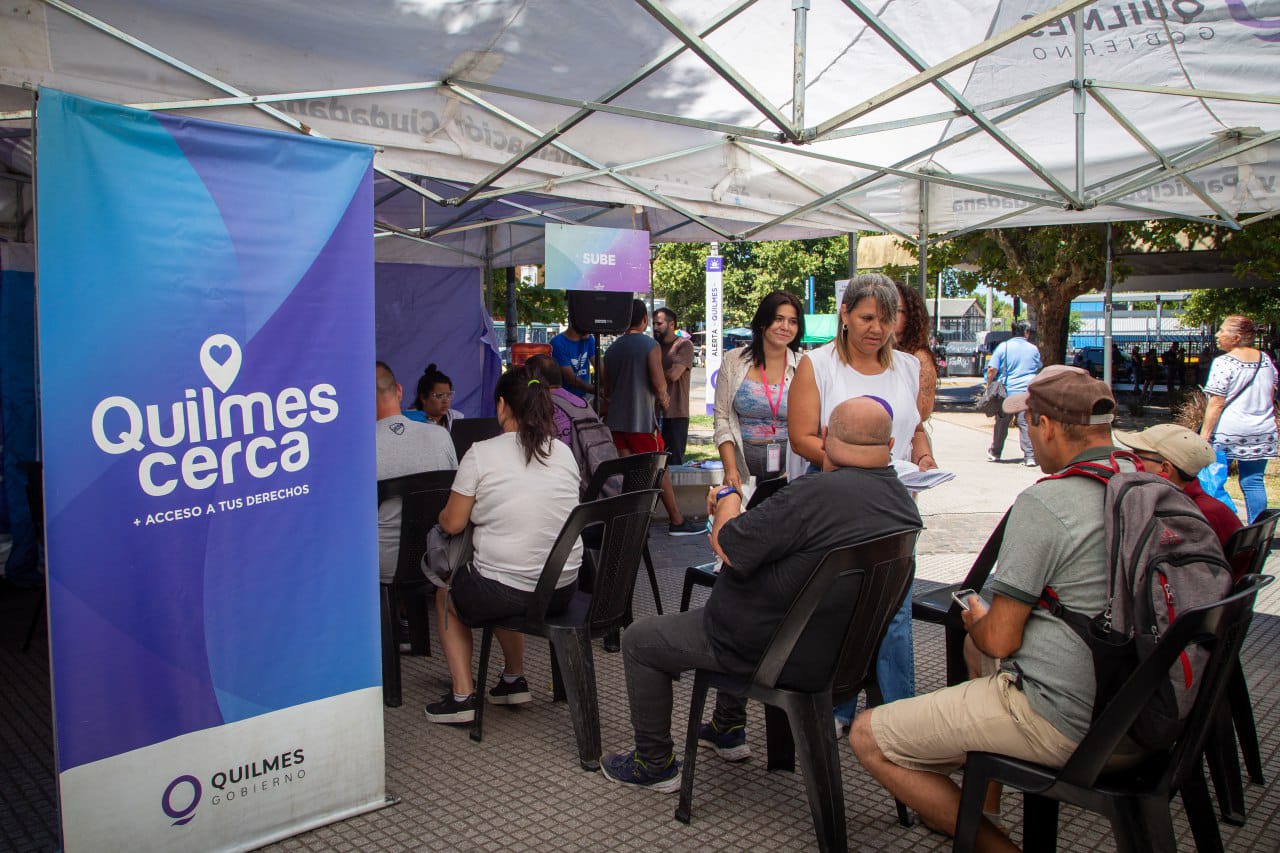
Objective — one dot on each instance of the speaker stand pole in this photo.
(599, 383)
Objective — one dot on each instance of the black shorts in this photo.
(479, 600)
(675, 435)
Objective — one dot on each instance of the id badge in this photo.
(773, 458)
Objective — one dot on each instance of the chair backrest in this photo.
(422, 497)
(837, 621)
(639, 472)
(1248, 547)
(764, 491)
(1220, 627)
(467, 431)
(625, 521)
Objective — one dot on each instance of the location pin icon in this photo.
(220, 358)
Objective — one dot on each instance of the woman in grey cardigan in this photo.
(751, 392)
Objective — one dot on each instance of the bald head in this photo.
(859, 435)
(389, 391)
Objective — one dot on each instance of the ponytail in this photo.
(528, 398)
(430, 378)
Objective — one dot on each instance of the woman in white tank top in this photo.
(861, 361)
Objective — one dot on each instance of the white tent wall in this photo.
(1177, 101)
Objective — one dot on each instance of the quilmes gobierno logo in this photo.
(205, 438)
(1240, 14)
(184, 789)
(262, 775)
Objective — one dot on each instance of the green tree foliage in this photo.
(534, 303)
(1208, 307)
(751, 272)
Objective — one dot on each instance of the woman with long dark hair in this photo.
(517, 490)
(911, 335)
(751, 392)
(434, 398)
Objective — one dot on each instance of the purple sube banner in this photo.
(583, 258)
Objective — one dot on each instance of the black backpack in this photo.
(591, 443)
(1163, 559)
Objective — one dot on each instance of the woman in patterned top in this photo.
(1240, 418)
(751, 393)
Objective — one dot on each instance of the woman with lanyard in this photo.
(751, 393)
(1240, 417)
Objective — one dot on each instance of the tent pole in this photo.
(924, 240)
(512, 318)
(853, 254)
(1079, 103)
(1107, 366)
(488, 271)
(801, 9)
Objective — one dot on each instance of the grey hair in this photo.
(884, 291)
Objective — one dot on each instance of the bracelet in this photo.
(725, 491)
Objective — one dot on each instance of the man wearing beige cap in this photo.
(1177, 454)
(1037, 701)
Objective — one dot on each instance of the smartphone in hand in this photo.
(961, 597)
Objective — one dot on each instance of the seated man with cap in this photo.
(1177, 454)
(1035, 698)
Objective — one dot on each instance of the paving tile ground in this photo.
(522, 789)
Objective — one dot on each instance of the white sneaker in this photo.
(991, 457)
(1031, 463)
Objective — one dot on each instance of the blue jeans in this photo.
(896, 665)
(1255, 493)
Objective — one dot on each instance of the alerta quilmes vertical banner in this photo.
(715, 324)
(206, 354)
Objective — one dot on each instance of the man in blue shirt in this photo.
(1015, 363)
(573, 350)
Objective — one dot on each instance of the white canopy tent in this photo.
(763, 119)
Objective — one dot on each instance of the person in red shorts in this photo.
(635, 390)
(1177, 454)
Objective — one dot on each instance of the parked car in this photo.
(1090, 358)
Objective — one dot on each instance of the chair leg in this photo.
(780, 746)
(573, 649)
(1039, 822)
(1224, 767)
(482, 678)
(1199, 809)
(653, 578)
(417, 609)
(871, 688)
(38, 613)
(686, 593)
(957, 671)
(391, 692)
(810, 716)
(972, 792)
(1246, 730)
(557, 679)
(697, 702)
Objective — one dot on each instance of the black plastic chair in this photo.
(467, 431)
(836, 623)
(937, 607)
(1247, 552)
(704, 574)
(638, 472)
(422, 498)
(625, 519)
(1135, 800)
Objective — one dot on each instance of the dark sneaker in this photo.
(510, 693)
(688, 527)
(450, 710)
(613, 641)
(730, 745)
(628, 768)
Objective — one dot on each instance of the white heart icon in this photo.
(220, 358)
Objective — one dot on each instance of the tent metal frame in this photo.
(786, 134)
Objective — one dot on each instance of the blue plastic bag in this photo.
(1213, 478)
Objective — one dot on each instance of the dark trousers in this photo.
(1001, 431)
(654, 650)
(675, 435)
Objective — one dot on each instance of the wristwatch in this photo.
(725, 491)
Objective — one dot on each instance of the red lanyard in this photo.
(773, 407)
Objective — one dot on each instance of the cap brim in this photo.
(1015, 403)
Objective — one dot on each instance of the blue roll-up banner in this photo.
(206, 352)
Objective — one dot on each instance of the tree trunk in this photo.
(1053, 319)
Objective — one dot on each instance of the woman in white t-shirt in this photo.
(1240, 417)
(861, 362)
(517, 490)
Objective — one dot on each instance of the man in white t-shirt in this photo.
(404, 446)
